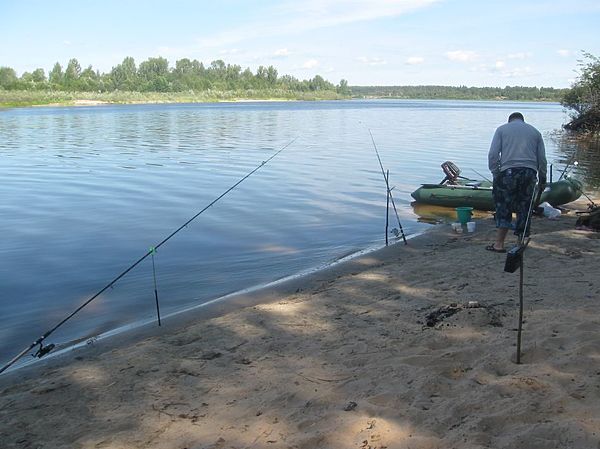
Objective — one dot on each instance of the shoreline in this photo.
(83, 102)
(345, 358)
(150, 98)
(91, 103)
(216, 306)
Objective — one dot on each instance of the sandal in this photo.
(494, 250)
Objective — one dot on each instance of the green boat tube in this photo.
(478, 194)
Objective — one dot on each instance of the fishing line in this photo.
(43, 350)
(386, 178)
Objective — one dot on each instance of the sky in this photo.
(374, 42)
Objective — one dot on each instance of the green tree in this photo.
(124, 75)
(247, 79)
(56, 76)
(183, 75)
(26, 80)
(88, 80)
(343, 88)
(8, 78)
(216, 73)
(183, 67)
(291, 83)
(72, 73)
(584, 96)
(154, 75)
(271, 75)
(319, 83)
(39, 76)
(232, 73)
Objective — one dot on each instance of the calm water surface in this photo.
(88, 190)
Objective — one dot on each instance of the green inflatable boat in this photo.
(478, 194)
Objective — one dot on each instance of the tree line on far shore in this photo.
(511, 93)
(155, 75)
(191, 76)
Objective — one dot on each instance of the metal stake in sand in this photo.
(387, 211)
(389, 191)
(514, 260)
(155, 288)
(520, 329)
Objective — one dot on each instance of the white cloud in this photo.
(67, 43)
(371, 61)
(564, 53)
(292, 17)
(414, 60)
(167, 51)
(517, 72)
(281, 53)
(520, 55)
(336, 12)
(232, 51)
(499, 68)
(462, 55)
(310, 64)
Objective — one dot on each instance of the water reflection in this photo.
(586, 152)
(427, 213)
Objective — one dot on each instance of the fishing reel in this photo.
(43, 350)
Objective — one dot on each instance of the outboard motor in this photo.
(451, 171)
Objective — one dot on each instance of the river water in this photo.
(86, 191)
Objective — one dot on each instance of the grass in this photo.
(21, 98)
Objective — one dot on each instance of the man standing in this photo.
(517, 154)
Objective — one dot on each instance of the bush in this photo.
(584, 97)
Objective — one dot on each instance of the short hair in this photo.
(516, 116)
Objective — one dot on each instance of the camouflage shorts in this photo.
(512, 192)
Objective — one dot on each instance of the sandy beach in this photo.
(407, 347)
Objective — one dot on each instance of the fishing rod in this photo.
(592, 205)
(43, 350)
(484, 177)
(389, 191)
(569, 162)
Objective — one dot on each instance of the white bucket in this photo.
(471, 226)
(457, 227)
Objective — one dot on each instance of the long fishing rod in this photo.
(484, 177)
(569, 162)
(43, 350)
(389, 191)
